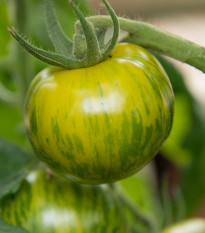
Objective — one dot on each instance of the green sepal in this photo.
(60, 41)
(86, 51)
(101, 32)
(46, 56)
(79, 43)
(93, 55)
(116, 30)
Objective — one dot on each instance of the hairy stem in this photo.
(154, 38)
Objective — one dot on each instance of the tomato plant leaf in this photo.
(13, 162)
(7, 228)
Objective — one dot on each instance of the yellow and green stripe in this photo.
(102, 123)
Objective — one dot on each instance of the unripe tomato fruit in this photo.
(102, 123)
(54, 205)
(196, 225)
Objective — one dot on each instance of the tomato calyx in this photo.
(88, 47)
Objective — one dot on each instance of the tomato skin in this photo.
(195, 225)
(53, 205)
(102, 123)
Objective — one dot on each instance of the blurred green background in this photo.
(170, 188)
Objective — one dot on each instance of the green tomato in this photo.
(188, 226)
(54, 205)
(102, 123)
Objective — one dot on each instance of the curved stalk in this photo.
(154, 38)
(134, 210)
(116, 29)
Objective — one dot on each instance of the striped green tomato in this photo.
(102, 123)
(54, 205)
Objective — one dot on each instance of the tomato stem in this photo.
(154, 38)
(134, 210)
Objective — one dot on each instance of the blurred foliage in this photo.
(13, 162)
(188, 132)
(4, 35)
(7, 228)
(185, 145)
(11, 124)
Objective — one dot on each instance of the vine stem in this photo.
(154, 38)
(134, 209)
(137, 213)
